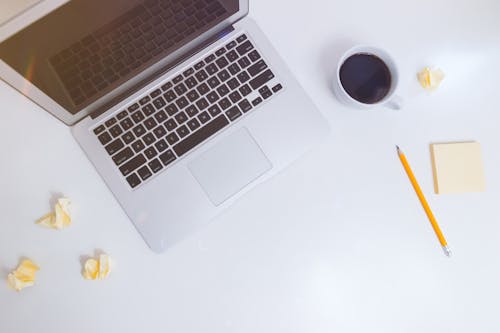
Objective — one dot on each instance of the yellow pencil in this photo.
(424, 203)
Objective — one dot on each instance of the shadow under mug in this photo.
(391, 100)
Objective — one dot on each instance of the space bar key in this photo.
(201, 135)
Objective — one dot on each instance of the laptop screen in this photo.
(87, 48)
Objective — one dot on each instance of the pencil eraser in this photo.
(457, 167)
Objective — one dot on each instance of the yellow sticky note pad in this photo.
(457, 167)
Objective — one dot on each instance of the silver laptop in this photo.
(181, 105)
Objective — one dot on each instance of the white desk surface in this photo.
(336, 243)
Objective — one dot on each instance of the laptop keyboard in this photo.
(136, 38)
(172, 119)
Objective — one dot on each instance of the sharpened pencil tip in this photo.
(397, 147)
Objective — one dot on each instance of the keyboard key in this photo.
(167, 157)
(166, 86)
(224, 103)
(144, 173)
(203, 117)
(133, 107)
(243, 77)
(180, 89)
(170, 96)
(150, 123)
(265, 92)
(201, 75)
(212, 97)
(220, 52)
(256, 68)
(144, 100)
(202, 104)
(232, 56)
(138, 146)
(192, 110)
(139, 130)
(182, 102)
(241, 38)
(222, 62)
(203, 89)
(123, 156)
(160, 116)
(254, 55)
(182, 131)
(121, 115)
(261, 79)
(155, 93)
(148, 110)
(132, 165)
(245, 105)
(223, 90)
(234, 69)
(233, 113)
(172, 138)
(171, 109)
(133, 180)
(244, 62)
(191, 82)
(114, 146)
(181, 117)
(150, 152)
(155, 165)
(245, 90)
(200, 135)
(277, 87)
(213, 82)
(223, 75)
(188, 72)
(231, 45)
(104, 138)
(160, 131)
(193, 124)
(257, 101)
(98, 130)
(170, 124)
(128, 137)
(110, 122)
(210, 58)
(214, 110)
(235, 97)
(192, 95)
(149, 139)
(126, 123)
(159, 103)
(244, 48)
(177, 79)
(199, 65)
(138, 117)
(212, 69)
(161, 145)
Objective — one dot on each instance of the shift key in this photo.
(133, 164)
(262, 79)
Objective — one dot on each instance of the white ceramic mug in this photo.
(391, 100)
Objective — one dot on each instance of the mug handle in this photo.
(395, 103)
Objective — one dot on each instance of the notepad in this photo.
(457, 167)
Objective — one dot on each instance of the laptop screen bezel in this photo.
(25, 87)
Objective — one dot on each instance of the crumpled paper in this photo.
(430, 78)
(97, 269)
(59, 218)
(23, 276)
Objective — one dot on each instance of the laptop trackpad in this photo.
(229, 166)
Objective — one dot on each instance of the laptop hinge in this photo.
(102, 109)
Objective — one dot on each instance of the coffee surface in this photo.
(365, 77)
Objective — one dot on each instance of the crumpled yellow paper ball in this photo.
(23, 276)
(59, 218)
(429, 78)
(97, 269)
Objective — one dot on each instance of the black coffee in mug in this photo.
(365, 77)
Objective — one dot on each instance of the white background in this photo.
(336, 243)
